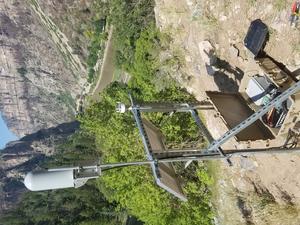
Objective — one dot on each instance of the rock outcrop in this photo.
(38, 86)
(224, 24)
(42, 71)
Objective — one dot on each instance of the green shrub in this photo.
(116, 135)
(22, 71)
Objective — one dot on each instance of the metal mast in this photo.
(158, 157)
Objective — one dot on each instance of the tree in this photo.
(68, 206)
(117, 137)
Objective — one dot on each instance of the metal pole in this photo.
(145, 139)
(207, 156)
(170, 107)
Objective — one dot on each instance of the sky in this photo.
(5, 134)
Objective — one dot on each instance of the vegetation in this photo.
(96, 34)
(114, 137)
(251, 2)
(138, 44)
(117, 137)
(280, 4)
(128, 18)
(22, 71)
(205, 17)
(65, 97)
(70, 206)
(263, 209)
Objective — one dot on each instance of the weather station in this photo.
(158, 156)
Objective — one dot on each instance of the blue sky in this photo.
(5, 134)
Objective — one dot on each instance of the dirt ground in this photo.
(264, 189)
(106, 74)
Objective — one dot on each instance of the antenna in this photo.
(60, 177)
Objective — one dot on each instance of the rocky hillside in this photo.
(256, 190)
(41, 71)
(20, 157)
(73, 18)
(224, 24)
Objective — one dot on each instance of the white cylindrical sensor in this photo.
(48, 180)
(121, 108)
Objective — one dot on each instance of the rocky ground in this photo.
(256, 190)
(73, 19)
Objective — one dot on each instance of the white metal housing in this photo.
(48, 180)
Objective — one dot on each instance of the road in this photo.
(105, 77)
(107, 70)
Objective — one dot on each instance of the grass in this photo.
(252, 2)
(262, 206)
(222, 191)
(280, 4)
(97, 37)
(117, 74)
(296, 47)
(266, 198)
(213, 168)
(66, 98)
(266, 211)
(210, 22)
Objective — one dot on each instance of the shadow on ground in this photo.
(227, 78)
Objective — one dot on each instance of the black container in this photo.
(256, 37)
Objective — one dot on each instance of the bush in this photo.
(68, 206)
(129, 18)
(118, 138)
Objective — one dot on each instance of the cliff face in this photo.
(40, 76)
(73, 18)
(43, 51)
(40, 73)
